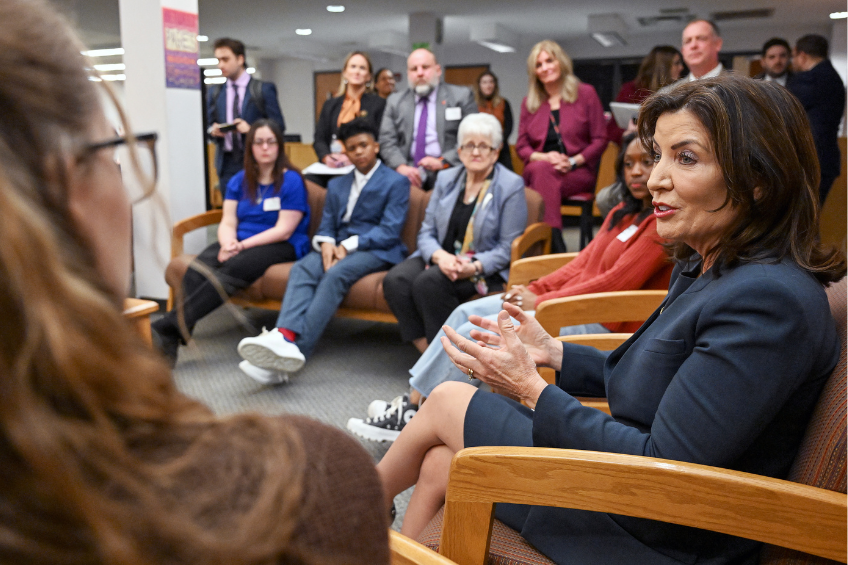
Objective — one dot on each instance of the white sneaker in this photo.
(271, 351)
(377, 407)
(261, 375)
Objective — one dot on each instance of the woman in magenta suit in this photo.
(561, 132)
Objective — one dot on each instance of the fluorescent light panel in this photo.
(111, 67)
(212, 72)
(112, 78)
(202, 38)
(207, 62)
(104, 52)
(215, 80)
(608, 39)
(335, 9)
(839, 15)
(303, 31)
(499, 47)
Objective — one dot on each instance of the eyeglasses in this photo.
(136, 159)
(262, 142)
(482, 148)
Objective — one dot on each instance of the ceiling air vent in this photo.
(759, 13)
(665, 19)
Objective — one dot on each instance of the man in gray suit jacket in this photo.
(420, 155)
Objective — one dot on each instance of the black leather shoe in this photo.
(168, 345)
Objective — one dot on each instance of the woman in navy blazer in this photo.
(725, 373)
(561, 131)
(475, 212)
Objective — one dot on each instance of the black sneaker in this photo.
(388, 425)
(166, 343)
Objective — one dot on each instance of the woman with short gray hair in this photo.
(475, 212)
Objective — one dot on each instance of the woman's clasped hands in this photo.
(507, 357)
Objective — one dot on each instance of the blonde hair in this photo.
(536, 91)
(343, 83)
(94, 436)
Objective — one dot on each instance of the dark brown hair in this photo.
(655, 69)
(98, 448)
(814, 45)
(762, 142)
(495, 98)
(251, 167)
(234, 45)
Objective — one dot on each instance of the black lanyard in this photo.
(558, 135)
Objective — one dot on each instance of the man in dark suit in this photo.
(415, 152)
(819, 88)
(240, 101)
(364, 213)
(775, 61)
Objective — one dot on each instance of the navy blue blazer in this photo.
(501, 219)
(216, 112)
(822, 94)
(377, 218)
(726, 373)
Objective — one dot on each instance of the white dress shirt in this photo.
(359, 182)
(713, 73)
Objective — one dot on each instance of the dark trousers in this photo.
(422, 299)
(201, 294)
(233, 162)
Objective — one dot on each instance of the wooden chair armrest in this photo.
(533, 234)
(190, 224)
(604, 342)
(800, 517)
(526, 270)
(598, 308)
(405, 551)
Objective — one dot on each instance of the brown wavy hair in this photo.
(762, 141)
(251, 167)
(655, 69)
(97, 447)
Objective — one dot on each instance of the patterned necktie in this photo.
(237, 143)
(421, 134)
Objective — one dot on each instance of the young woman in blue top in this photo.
(266, 218)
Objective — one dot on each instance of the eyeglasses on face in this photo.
(136, 160)
(482, 148)
(271, 142)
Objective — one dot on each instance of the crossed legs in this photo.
(421, 455)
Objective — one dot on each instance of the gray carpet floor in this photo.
(354, 363)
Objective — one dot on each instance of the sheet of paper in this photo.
(322, 169)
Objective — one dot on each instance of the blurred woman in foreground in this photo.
(103, 460)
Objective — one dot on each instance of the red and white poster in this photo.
(181, 49)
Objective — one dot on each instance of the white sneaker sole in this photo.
(263, 357)
(262, 376)
(363, 430)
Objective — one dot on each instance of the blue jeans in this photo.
(435, 367)
(313, 296)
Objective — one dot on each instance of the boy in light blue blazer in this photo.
(360, 234)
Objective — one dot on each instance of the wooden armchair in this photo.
(803, 518)
(598, 308)
(405, 551)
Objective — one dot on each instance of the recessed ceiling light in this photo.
(250, 70)
(212, 72)
(202, 38)
(207, 62)
(835, 15)
(335, 8)
(303, 31)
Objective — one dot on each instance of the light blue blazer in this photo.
(502, 218)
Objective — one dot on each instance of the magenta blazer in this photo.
(581, 123)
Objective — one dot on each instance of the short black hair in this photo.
(776, 41)
(234, 45)
(813, 44)
(355, 127)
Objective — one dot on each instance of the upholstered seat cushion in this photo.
(507, 547)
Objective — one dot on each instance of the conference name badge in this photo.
(271, 204)
(627, 234)
(453, 114)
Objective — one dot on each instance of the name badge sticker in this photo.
(627, 233)
(273, 204)
(453, 114)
